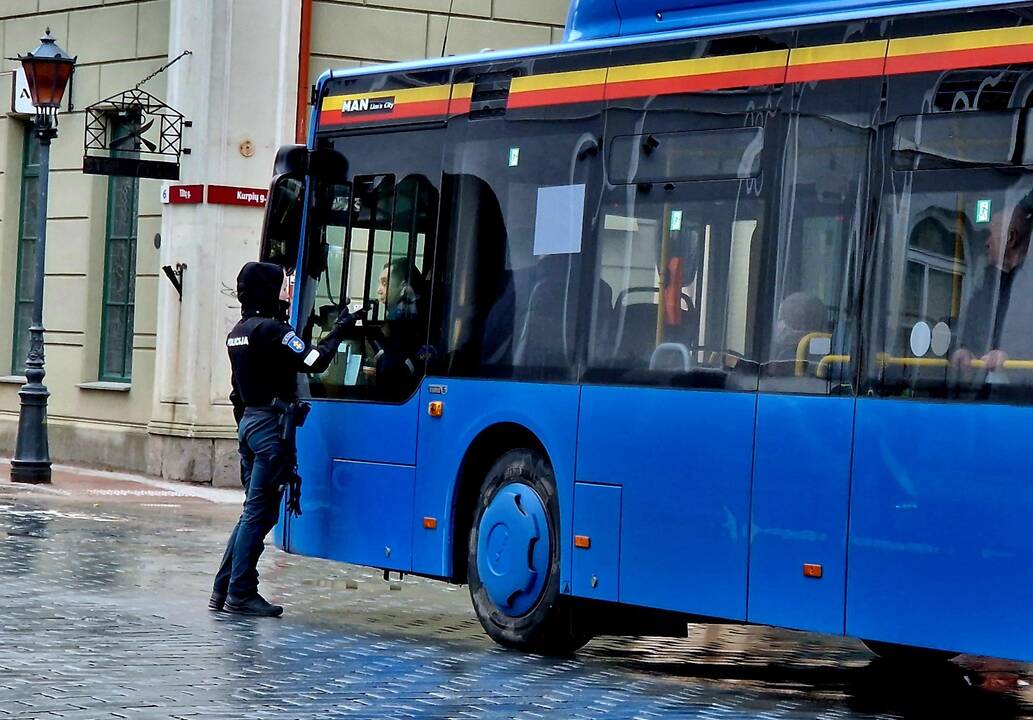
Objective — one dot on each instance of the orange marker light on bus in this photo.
(582, 541)
(812, 570)
(436, 409)
(430, 523)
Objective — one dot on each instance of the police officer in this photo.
(266, 355)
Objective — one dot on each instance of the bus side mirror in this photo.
(285, 209)
(291, 160)
(281, 231)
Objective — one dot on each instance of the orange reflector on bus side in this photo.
(430, 523)
(812, 570)
(582, 541)
(436, 409)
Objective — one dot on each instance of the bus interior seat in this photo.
(546, 318)
(671, 356)
(636, 326)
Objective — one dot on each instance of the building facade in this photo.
(138, 374)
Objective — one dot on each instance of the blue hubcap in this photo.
(513, 549)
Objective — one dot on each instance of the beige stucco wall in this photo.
(240, 83)
(118, 44)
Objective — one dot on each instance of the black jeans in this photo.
(263, 463)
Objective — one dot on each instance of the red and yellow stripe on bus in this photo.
(827, 62)
(462, 96)
(960, 50)
(558, 88)
(649, 79)
(425, 103)
(697, 75)
(837, 62)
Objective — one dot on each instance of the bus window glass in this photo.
(375, 254)
(953, 287)
(326, 262)
(941, 140)
(674, 301)
(517, 202)
(721, 154)
(809, 333)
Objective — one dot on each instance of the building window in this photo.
(27, 234)
(116, 339)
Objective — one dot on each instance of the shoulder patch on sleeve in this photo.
(294, 343)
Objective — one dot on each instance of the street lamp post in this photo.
(47, 71)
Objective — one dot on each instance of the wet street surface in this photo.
(104, 583)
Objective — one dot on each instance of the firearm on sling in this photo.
(292, 416)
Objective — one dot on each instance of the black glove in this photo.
(345, 322)
(294, 493)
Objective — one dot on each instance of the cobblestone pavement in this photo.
(104, 581)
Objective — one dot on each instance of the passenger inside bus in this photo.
(984, 319)
(800, 315)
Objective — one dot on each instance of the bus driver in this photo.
(396, 346)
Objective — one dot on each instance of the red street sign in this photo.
(182, 194)
(228, 195)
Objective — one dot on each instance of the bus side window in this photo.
(509, 279)
(681, 258)
(948, 313)
(808, 335)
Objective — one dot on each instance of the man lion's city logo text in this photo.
(368, 105)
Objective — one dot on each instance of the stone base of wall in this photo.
(205, 460)
(209, 461)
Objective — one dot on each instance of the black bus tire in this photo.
(549, 626)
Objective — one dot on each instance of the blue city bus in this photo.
(711, 313)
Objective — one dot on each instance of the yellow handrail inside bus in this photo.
(803, 346)
(823, 364)
(888, 361)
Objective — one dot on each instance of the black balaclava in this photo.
(258, 289)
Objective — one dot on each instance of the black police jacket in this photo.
(266, 356)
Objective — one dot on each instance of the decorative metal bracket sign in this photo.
(133, 134)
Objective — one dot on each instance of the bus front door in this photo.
(371, 245)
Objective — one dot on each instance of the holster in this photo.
(292, 416)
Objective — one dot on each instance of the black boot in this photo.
(216, 602)
(255, 605)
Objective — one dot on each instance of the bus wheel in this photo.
(908, 653)
(513, 558)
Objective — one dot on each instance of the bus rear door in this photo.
(805, 413)
(669, 403)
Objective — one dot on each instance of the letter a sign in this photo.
(22, 104)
